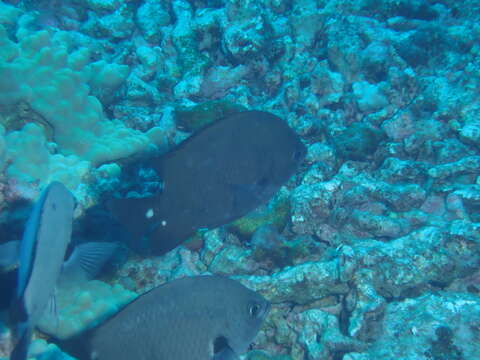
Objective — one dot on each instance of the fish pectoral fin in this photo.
(226, 354)
(52, 303)
(20, 351)
(87, 260)
(51, 312)
(222, 351)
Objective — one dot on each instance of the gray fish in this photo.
(217, 175)
(41, 256)
(194, 318)
(42, 251)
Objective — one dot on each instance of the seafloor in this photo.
(370, 251)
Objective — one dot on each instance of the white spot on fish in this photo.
(163, 223)
(149, 214)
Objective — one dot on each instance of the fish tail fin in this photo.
(138, 216)
(20, 351)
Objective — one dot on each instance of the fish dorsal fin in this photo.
(86, 260)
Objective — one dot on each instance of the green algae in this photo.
(286, 253)
(194, 118)
(276, 213)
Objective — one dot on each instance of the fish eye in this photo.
(254, 310)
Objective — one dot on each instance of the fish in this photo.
(42, 251)
(41, 254)
(217, 175)
(206, 317)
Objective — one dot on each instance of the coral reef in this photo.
(372, 249)
(82, 306)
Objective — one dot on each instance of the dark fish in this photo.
(194, 318)
(217, 175)
(41, 256)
